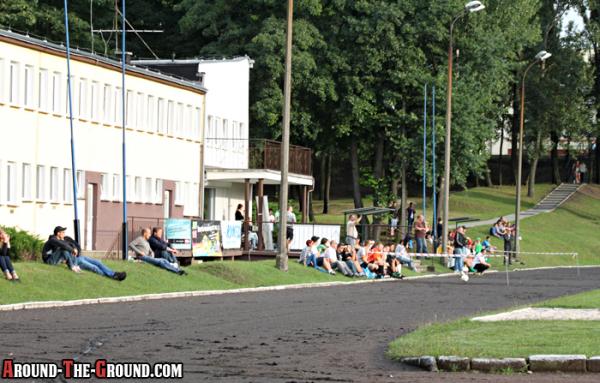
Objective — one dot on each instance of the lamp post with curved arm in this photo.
(470, 7)
(540, 57)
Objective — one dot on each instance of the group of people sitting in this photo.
(364, 259)
(469, 255)
(149, 247)
(503, 230)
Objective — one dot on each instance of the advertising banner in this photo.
(206, 239)
(231, 232)
(178, 233)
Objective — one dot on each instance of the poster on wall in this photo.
(231, 232)
(206, 239)
(178, 233)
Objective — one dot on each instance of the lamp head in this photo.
(474, 6)
(543, 56)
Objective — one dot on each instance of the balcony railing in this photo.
(266, 154)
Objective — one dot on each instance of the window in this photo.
(170, 117)
(82, 110)
(80, 184)
(116, 187)
(179, 120)
(179, 193)
(107, 106)
(40, 182)
(140, 112)
(2, 77)
(138, 189)
(43, 91)
(11, 183)
(187, 122)
(26, 182)
(56, 92)
(67, 186)
(196, 122)
(130, 110)
(149, 190)
(208, 131)
(117, 107)
(28, 99)
(104, 187)
(160, 115)
(94, 102)
(128, 192)
(158, 191)
(13, 95)
(54, 184)
(226, 133)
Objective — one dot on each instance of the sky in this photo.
(573, 15)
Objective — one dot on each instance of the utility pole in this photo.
(281, 261)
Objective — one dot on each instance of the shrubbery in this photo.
(23, 245)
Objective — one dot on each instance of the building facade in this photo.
(165, 120)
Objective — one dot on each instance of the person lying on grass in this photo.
(142, 251)
(5, 264)
(61, 248)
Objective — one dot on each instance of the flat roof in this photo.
(193, 60)
(369, 210)
(270, 177)
(59, 49)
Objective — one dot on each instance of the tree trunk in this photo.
(488, 177)
(534, 164)
(476, 180)
(311, 213)
(322, 165)
(403, 199)
(596, 163)
(378, 166)
(355, 174)
(500, 156)
(556, 179)
(515, 132)
(327, 183)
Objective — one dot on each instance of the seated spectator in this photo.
(306, 251)
(5, 263)
(161, 247)
(323, 246)
(92, 264)
(402, 255)
(479, 263)
(56, 250)
(347, 255)
(377, 263)
(362, 254)
(322, 258)
(487, 245)
(331, 254)
(142, 251)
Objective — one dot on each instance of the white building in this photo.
(164, 127)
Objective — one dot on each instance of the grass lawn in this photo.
(500, 339)
(41, 282)
(507, 338)
(586, 300)
(481, 202)
(573, 227)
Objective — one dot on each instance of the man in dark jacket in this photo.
(460, 249)
(56, 250)
(161, 247)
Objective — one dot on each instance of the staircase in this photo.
(556, 198)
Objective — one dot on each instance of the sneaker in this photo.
(120, 275)
(175, 265)
(331, 272)
(76, 269)
(182, 272)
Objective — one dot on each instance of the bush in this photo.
(23, 245)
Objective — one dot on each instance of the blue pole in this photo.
(433, 177)
(73, 167)
(123, 101)
(425, 152)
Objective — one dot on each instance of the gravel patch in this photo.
(541, 313)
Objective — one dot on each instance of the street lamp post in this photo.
(540, 57)
(470, 7)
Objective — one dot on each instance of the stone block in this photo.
(593, 364)
(453, 363)
(562, 363)
(495, 365)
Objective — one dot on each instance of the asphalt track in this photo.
(333, 334)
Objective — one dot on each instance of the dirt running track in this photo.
(335, 334)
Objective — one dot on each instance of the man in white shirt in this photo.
(402, 256)
(351, 231)
(331, 254)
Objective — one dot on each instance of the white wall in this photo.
(35, 133)
(227, 108)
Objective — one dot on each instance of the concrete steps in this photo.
(557, 197)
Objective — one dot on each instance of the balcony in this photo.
(266, 154)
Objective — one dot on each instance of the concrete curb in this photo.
(535, 363)
(187, 294)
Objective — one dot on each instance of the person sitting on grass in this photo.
(161, 247)
(306, 251)
(142, 251)
(56, 250)
(92, 264)
(336, 264)
(402, 255)
(347, 255)
(322, 258)
(5, 264)
(476, 263)
(362, 254)
(394, 266)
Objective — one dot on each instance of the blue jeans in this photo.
(352, 267)
(94, 265)
(458, 259)
(6, 264)
(160, 262)
(421, 245)
(405, 261)
(167, 255)
(57, 256)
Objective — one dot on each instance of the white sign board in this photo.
(305, 232)
(231, 234)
